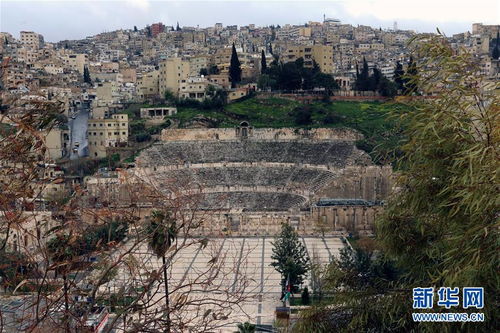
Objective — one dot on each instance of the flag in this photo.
(288, 289)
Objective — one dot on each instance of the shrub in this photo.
(305, 297)
(303, 115)
(142, 137)
(332, 118)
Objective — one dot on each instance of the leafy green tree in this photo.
(445, 216)
(265, 81)
(142, 137)
(162, 232)
(246, 327)
(355, 280)
(213, 69)
(234, 68)
(441, 227)
(169, 96)
(263, 64)
(204, 71)
(327, 81)
(290, 257)
(216, 98)
(386, 87)
(411, 77)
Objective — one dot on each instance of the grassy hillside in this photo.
(373, 119)
(382, 135)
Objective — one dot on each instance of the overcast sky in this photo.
(73, 19)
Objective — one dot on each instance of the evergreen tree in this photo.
(412, 73)
(234, 68)
(496, 50)
(290, 257)
(270, 48)
(399, 76)
(178, 28)
(135, 28)
(362, 79)
(86, 75)
(374, 80)
(263, 64)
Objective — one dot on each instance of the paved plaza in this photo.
(249, 259)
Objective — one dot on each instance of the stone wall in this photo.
(360, 182)
(262, 134)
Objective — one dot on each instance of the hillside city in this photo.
(170, 178)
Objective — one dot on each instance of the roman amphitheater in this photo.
(255, 179)
(249, 181)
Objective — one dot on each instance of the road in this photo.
(78, 127)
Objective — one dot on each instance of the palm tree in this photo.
(162, 232)
(62, 250)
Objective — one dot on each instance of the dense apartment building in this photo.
(197, 63)
(172, 72)
(148, 84)
(56, 143)
(321, 54)
(156, 28)
(194, 88)
(483, 29)
(107, 132)
(31, 40)
(107, 93)
(76, 62)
